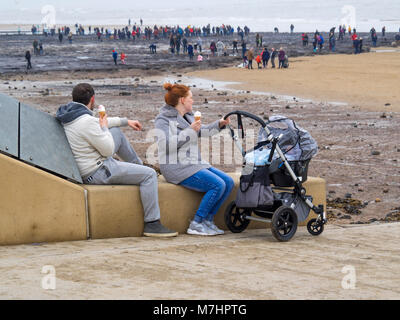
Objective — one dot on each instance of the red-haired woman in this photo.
(180, 159)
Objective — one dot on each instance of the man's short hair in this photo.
(82, 93)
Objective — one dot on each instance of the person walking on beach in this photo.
(70, 37)
(185, 45)
(304, 38)
(265, 55)
(213, 48)
(315, 42)
(35, 47)
(320, 42)
(115, 56)
(190, 51)
(244, 49)
(332, 42)
(374, 38)
(235, 47)
(281, 57)
(259, 61)
(153, 48)
(93, 143)
(60, 37)
(123, 56)
(200, 44)
(250, 57)
(356, 45)
(28, 60)
(273, 56)
(291, 28)
(180, 157)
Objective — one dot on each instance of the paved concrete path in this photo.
(345, 262)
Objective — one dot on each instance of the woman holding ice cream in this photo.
(180, 159)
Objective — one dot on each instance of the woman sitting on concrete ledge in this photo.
(180, 159)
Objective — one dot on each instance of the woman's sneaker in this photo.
(200, 229)
(212, 226)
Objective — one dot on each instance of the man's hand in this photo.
(135, 125)
(223, 122)
(103, 122)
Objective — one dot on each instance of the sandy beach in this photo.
(354, 262)
(369, 81)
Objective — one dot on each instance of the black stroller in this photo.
(281, 157)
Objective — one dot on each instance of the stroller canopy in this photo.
(296, 143)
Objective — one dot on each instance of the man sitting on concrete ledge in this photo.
(93, 144)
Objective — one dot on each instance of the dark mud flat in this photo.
(86, 53)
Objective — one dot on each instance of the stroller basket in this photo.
(280, 177)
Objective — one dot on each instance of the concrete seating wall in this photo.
(36, 206)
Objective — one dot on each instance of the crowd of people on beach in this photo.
(137, 32)
(193, 41)
(264, 57)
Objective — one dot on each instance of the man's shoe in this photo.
(200, 229)
(212, 226)
(156, 229)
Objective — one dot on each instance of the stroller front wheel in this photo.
(284, 223)
(315, 227)
(235, 218)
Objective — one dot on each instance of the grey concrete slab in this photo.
(43, 143)
(9, 125)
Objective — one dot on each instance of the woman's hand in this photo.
(135, 125)
(196, 126)
(224, 122)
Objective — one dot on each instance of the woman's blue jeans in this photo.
(217, 186)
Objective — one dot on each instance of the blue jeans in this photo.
(216, 184)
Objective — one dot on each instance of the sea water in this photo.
(258, 15)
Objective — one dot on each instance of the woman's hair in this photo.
(175, 92)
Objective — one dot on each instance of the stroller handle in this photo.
(248, 115)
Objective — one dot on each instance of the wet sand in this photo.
(369, 81)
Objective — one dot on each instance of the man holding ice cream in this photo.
(93, 143)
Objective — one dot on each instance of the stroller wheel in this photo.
(284, 223)
(314, 227)
(234, 218)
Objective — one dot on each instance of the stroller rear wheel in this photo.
(235, 218)
(315, 227)
(284, 223)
